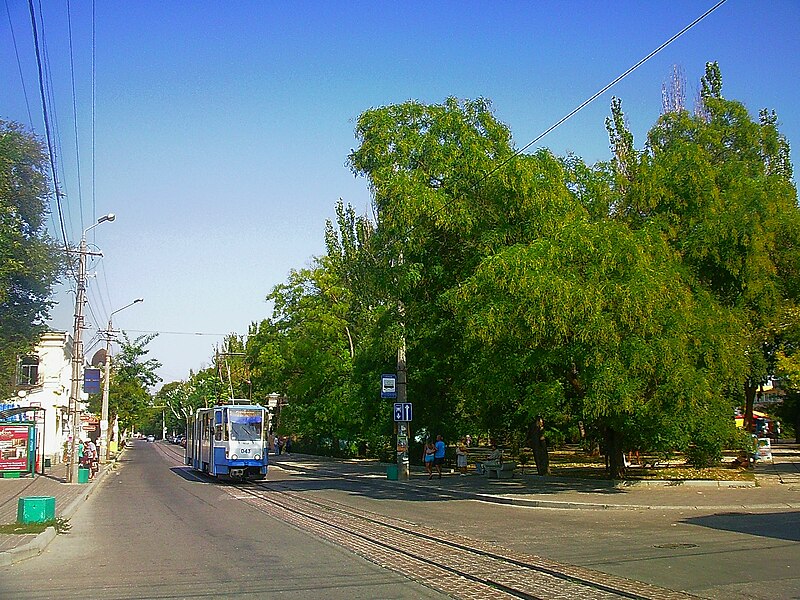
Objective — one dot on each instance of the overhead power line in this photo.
(47, 131)
(19, 66)
(586, 102)
(178, 332)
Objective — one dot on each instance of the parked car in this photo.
(151, 438)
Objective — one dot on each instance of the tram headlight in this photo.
(234, 457)
(257, 457)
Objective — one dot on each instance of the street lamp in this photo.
(77, 348)
(104, 446)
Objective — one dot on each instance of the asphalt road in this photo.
(152, 531)
(712, 554)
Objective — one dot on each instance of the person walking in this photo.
(438, 457)
(461, 457)
(428, 453)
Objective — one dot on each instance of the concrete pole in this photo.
(104, 446)
(77, 351)
(77, 364)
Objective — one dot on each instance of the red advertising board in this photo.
(14, 442)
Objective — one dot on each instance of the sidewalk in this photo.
(777, 487)
(69, 497)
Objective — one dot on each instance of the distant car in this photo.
(151, 438)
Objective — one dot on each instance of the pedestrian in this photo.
(468, 440)
(461, 457)
(276, 445)
(428, 455)
(494, 460)
(93, 463)
(88, 456)
(288, 445)
(438, 457)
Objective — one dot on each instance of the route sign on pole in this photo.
(402, 411)
(388, 385)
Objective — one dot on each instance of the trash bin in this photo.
(391, 472)
(83, 475)
(36, 509)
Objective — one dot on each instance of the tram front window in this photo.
(245, 424)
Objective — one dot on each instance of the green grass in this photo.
(61, 525)
(576, 463)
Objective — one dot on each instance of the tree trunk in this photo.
(749, 401)
(615, 460)
(539, 445)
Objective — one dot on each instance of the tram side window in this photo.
(218, 429)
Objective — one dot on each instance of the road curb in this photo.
(573, 505)
(41, 541)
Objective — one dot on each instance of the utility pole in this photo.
(77, 351)
(104, 438)
(403, 471)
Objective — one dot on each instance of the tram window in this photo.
(218, 432)
(245, 424)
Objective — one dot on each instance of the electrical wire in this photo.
(581, 106)
(19, 65)
(75, 113)
(178, 332)
(605, 88)
(94, 79)
(48, 137)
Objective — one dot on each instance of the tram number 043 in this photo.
(244, 450)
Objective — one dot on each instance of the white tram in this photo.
(229, 441)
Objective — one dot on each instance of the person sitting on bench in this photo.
(494, 460)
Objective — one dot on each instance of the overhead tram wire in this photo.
(48, 138)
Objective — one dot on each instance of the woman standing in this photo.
(461, 457)
(427, 456)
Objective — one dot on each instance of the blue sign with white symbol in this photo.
(91, 381)
(402, 411)
(389, 385)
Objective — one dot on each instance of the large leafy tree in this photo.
(30, 263)
(718, 185)
(426, 166)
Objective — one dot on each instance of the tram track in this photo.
(458, 566)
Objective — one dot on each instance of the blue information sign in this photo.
(91, 381)
(402, 411)
(389, 385)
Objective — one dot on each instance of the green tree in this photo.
(426, 166)
(718, 184)
(132, 376)
(30, 262)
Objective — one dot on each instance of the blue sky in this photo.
(222, 128)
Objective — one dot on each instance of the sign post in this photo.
(402, 418)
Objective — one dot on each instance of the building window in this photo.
(28, 375)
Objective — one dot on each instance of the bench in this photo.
(504, 470)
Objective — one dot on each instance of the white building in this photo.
(43, 380)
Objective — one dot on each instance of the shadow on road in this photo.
(782, 526)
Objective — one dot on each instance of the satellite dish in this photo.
(99, 358)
